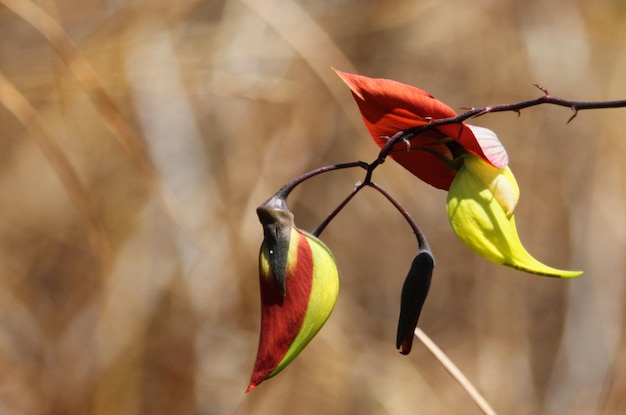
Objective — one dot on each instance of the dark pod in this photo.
(414, 292)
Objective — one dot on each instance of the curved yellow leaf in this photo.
(480, 208)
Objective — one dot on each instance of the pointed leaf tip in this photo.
(348, 79)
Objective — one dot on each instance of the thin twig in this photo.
(320, 228)
(421, 237)
(284, 191)
(575, 106)
(455, 372)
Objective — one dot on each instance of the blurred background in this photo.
(138, 137)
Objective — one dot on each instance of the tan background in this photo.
(130, 167)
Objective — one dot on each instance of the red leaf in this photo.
(388, 107)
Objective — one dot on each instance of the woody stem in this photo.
(367, 181)
(575, 106)
(284, 191)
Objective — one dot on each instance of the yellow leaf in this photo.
(480, 208)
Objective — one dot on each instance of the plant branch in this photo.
(284, 191)
(546, 98)
(455, 372)
(320, 228)
(421, 238)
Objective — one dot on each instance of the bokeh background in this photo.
(137, 138)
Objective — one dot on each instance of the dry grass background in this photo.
(138, 137)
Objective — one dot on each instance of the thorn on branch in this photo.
(575, 113)
(393, 137)
(408, 144)
(542, 89)
(481, 112)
